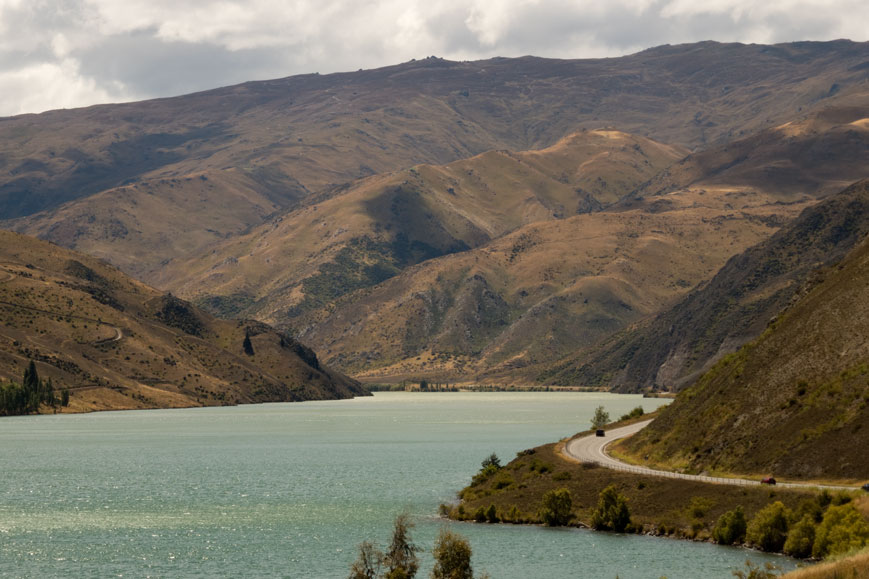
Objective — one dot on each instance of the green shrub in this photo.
(480, 515)
(635, 413)
(769, 527)
(730, 528)
(502, 481)
(843, 529)
(801, 538)
(612, 511)
(555, 508)
(492, 514)
(452, 555)
(561, 476)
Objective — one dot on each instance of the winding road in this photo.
(592, 449)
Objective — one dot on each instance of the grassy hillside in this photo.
(118, 344)
(794, 403)
(276, 143)
(671, 350)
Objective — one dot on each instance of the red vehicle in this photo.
(768, 480)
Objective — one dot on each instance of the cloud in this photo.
(63, 53)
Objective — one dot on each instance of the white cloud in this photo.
(112, 49)
(47, 86)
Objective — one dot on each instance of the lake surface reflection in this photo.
(290, 490)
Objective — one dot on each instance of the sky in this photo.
(72, 53)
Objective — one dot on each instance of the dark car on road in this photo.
(599, 432)
(865, 487)
(767, 480)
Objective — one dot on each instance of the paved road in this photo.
(593, 449)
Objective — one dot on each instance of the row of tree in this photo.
(452, 555)
(819, 528)
(26, 398)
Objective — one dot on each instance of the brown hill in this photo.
(793, 403)
(117, 344)
(670, 351)
(272, 144)
(531, 296)
(815, 155)
(369, 232)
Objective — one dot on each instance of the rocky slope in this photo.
(793, 403)
(671, 350)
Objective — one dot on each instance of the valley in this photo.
(689, 221)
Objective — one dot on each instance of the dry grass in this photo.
(853, 567)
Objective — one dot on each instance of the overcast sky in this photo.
(70, 53)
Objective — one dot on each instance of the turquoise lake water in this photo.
(290, 490)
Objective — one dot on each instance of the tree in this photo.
(246, 345)
(769, 527)
(730, 527)
(491, 460)
(612, 511)
(367, 564)
(401, 560)
(843, 529)
(555, 508)
(64, 398)
(600, 419)
(452, 555)
(801, 538)
(31, 378)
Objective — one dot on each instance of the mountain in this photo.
(378, 226)
(118, 344)
(792, 403)
(671, 350)
(309, 269)
(534, 295)
(817, 155)
(158, 175)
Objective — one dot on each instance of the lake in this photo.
(290, 490)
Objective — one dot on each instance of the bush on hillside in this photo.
(612, 512)
(801, 538)
(843, 529)
(555, 508)
(769, 527)
(730, 528)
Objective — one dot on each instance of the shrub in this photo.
(480, 515)
(752, 571)
(843, 529)
(801, 538)
(555, 508)
(452, 555)
(492, 514)
(769, 527)
(635, 413)
(503, 481)
(730, 527)
(612, 511)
